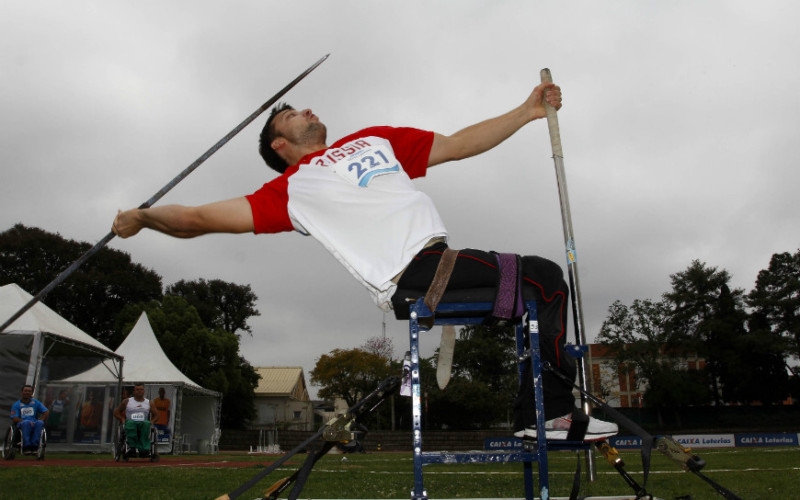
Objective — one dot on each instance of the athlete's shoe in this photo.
(558, 428)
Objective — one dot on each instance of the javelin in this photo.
(569, 241)
(171, 184)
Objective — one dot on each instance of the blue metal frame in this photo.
(474, 313)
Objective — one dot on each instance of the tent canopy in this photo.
(41, 344)
(41, 318)
(145, 362)
(195, 410)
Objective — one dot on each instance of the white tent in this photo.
(195, 411)
(41, 346)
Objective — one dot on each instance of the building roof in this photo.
(282, 381)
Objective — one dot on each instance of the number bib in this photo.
(138, 416)
(364, 165)
(27, 411)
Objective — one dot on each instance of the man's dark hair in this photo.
(27, 385)
(268, 135)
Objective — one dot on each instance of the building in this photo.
(282, 400)
(623, 390)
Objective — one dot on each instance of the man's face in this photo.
(27, 393)
(138, 392)
(161, 393)
(300, 126)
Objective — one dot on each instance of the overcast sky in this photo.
(680, 132)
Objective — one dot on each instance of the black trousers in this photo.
(477, 269)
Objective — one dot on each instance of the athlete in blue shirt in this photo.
(29, 415)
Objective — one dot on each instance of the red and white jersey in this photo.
(357, 199)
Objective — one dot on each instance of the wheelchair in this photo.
(12, 444)
(124, 452)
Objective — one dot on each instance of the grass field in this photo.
(755, 473)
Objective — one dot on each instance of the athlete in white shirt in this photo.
(357, 199)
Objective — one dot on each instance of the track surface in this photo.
(215, 461)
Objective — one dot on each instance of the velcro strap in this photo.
(508, 302)
(439, 284)
(579, 425)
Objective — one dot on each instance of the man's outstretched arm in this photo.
(229, 216)
(487, 134)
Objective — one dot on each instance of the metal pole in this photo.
(171, 184)
(572, 262)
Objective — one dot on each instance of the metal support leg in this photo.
(527, 332)
(419, 492)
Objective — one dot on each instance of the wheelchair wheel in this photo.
(42, 445)
(9, 448)
(119, 445)
(154, 444)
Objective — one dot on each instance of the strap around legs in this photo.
(508, 302)
(440, 279)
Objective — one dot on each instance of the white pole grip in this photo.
(552, 118)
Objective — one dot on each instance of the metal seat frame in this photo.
(470, 313)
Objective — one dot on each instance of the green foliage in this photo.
(382, 346)
(637, 335)
(195, 323)
(483, 381)
(349, 374)
(479, 395)
(644, 346)
(694, 300)
(220, 304)
(93, 295)
(776, 298)
(745, 354)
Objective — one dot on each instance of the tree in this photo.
(638, 337)
(643, 345)
(694, 298)
(775, 320)
(107, 294)
(349, 374)
(90, 297)
(695, 301)
(483, 384)
(210, 357)
(776, 298)
(220, 304)
(382, 346)
(756, 368)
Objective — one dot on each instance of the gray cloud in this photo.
(679, 129)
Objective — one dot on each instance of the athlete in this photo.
(357, 199)
(136, 415)
(29, 415)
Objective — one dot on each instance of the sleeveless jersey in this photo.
(138, 411)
